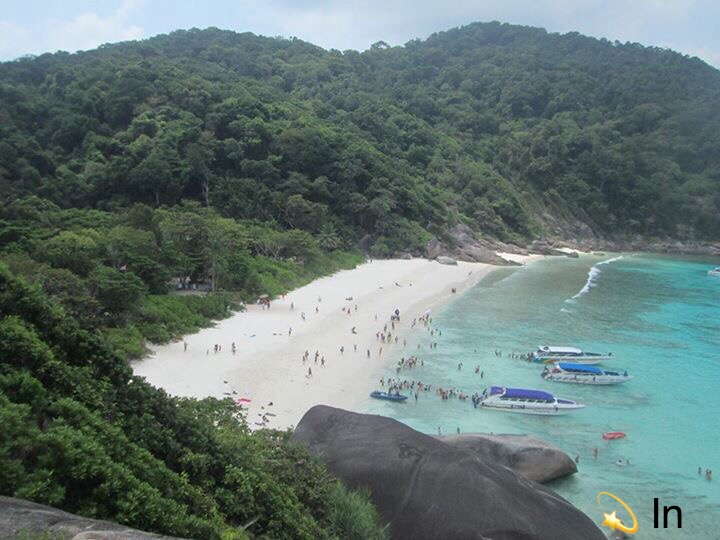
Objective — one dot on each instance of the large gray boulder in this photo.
(461, 244)
(425, 488)
(527, 456)
(20, 519)
(446, 260)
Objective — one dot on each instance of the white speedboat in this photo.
(549, 355)
(524, 401)
(714, 272)
(583, 374)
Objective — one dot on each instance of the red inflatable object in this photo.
(611, 435)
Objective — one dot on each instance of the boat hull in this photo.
(591, 361)
(537, 411)
(597, 380)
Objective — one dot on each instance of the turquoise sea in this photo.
(660, 317)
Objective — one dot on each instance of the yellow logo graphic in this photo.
(614, 522)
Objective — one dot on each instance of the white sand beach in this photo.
(268, 366)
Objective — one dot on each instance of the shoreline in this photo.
(268, 368)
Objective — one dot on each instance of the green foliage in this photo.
(162, 318)
(353, 517)
(146, 187)
(489, 125)
(77, 431)
(117, 292)
(112, 270)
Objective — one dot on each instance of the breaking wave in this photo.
(593, 274)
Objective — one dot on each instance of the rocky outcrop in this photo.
(527, 456)
(541, 247)
(461, 244)
(425, 488)
(637, 243)
(20, 519)
(434, 249)
(446, 260)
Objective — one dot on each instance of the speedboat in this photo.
(524, 401)
(714, 272)
(388, 396)
(583, 374)
(549, 355)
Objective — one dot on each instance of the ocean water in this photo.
(659, 316)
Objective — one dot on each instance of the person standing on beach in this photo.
(342, 350)
(368, 353)
(290, 331)
(184, 346)
(309, 372)
(292, 306)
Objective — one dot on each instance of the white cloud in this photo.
(705, 53)
(351, 24)
(13, 37)
(84, 31)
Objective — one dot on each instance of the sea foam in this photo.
(593, 274)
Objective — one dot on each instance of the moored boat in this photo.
(526, 401)
(714, 272)
(568, 372)
(549, 355)
(388, 396)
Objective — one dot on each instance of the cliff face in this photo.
(426, 488)
(21, 519)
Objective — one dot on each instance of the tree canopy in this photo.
(491, 125)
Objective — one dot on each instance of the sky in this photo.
(34, 27)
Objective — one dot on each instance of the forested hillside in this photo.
(241, 165)
(489, 125)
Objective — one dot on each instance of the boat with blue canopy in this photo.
(526, 401)
(387, 396)
(568, 372)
